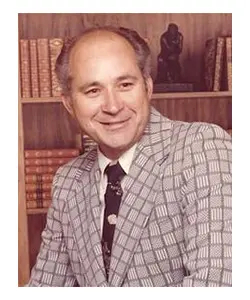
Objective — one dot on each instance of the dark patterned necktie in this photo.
(112, 202)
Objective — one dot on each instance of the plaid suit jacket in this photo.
(174, 223)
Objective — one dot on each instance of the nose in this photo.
(112, 103)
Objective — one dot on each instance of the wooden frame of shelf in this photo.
(190, 95)
(35, 211)
(23, 240)
(159, 96)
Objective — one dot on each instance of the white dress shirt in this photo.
(125, 161)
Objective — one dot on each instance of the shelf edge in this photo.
(36, 211)
(165, 96)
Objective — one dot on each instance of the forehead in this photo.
(99, 42)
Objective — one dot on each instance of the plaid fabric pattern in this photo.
(174, 223)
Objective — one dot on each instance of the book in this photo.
(41, 169)
(38, 196)
(34, 68)
(79, 142)
(55, 46)
(38, 178)
(25, 68)
(38, 186)
(88, 143)
(44, 67)
(209, 63)
(38, 204)
(47, 161)
(229, 62)
(41, 153)
(218, 63)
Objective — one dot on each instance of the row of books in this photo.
(37, 67)
(218, 64)
(40, 168)
(87, 142)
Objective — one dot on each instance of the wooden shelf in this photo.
(41, 100)
(192, 95)
(35, 211)
(154, 96)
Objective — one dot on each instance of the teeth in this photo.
(113, 123)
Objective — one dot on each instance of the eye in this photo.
(126, 85)
(92, 92)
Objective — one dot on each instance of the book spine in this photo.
(44, 67)
(218, 63)
(229, 62)
(55, 46)
(66, 152)
(34, 68)
(38, 178)
(41, 187)
(34, 204)
(38, 204)
(25, 68)
(209, 63)
(41, 169)
(88, 143)
(53, 161)
(38, 196)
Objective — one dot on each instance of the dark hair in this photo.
(140, 46)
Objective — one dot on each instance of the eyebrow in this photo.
(97, 83)
(127, 77)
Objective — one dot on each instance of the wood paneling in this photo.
(36, 225)
(217, 110)
(196, 29)
(23, 242)
(47, 126)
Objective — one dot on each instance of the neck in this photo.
(112, 154)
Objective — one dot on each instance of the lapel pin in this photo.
(112, 219)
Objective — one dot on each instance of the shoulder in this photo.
(195, 130)
(183, 131)
(75, 168)
(189, 135)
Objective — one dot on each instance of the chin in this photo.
(117, 147)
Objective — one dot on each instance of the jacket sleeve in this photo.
(52, 266)
(207, 208)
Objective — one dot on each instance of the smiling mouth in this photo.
(115, 125)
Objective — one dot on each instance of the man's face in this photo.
(109, 98)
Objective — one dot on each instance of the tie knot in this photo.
(115, 172)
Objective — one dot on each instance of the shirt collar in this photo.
(125, 159)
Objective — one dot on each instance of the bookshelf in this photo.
(44, 123)
(36, 211)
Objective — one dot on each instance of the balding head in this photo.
(130, 37)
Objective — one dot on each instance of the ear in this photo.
(67, 102)
(149, 83)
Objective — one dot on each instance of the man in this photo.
(173, 227)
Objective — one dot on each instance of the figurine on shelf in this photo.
(169, 69)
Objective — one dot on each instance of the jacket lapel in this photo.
(84, 214)
(141, 187)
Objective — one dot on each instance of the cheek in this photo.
(137, 100)
(84, 108)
